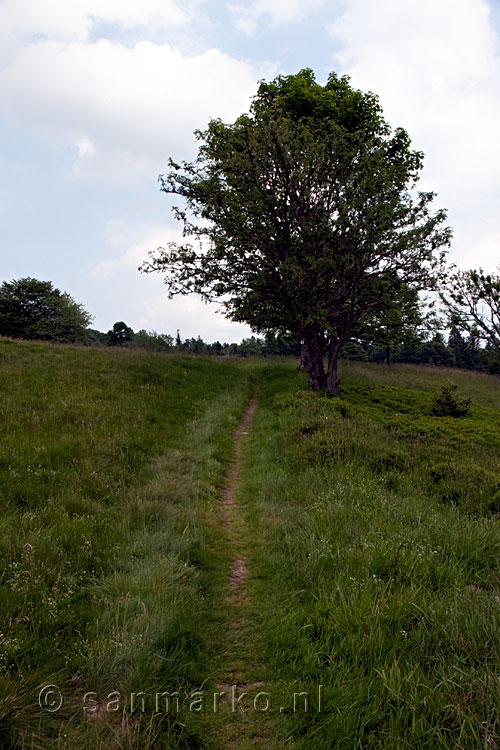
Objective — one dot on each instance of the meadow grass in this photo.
(374, 563)
(368, 526)
(110, 471)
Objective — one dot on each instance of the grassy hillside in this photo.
(367, 526)
(110, 463)
(375, 561)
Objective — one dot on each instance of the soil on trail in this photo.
(234, 471)
(238, 567)
(238, 672)
(238, 573)
(243, 719)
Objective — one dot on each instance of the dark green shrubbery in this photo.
(33, 309)
(448, 403)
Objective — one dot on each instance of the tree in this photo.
(33, 309)
(281, 344)
(466, 351)
(448, 403)
(435, 352)
(217, 348)
(251, 346)
(194, 345)
(303, 216)
(152, 341)
(120, 334)
(472, 299)
(96, 338)
(405, 319)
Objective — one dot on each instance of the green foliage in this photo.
(308, 220)
(448, 403)
(406, 318)
(416, 347)
(33, 309)
(152, 341)
(96, 338)
(120, 334)
(457, 481)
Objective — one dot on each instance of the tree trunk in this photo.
(332, 382)
(388, 355)
(311, 359)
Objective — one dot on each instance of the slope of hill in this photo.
(373, 557)
(110, 463)
(348, 597)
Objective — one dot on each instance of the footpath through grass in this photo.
(375, 561)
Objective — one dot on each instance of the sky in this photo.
(96, 95)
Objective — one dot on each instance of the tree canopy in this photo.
(33, 309)
(120, 334)
(304, 217)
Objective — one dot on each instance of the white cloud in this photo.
(123, 105)
(85, 147)
(139, 241)
(146, 301)
(246, 17)
(124, 110)
(73, 20)
(436, 68)
(191, 316)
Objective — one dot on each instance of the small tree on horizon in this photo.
(120, 334)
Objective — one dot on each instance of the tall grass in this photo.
(111, 462)
(368, 526)
(375, 560)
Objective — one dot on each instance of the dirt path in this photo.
(228, 501)
(249, 703)
(239, 673)
(238, 568)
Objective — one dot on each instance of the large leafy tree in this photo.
(34, 309)
(303, 217)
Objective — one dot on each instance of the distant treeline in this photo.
(466, 353)
(36, 310)
(463, 352)
(269, 345)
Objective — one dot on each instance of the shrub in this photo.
(448, 403)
